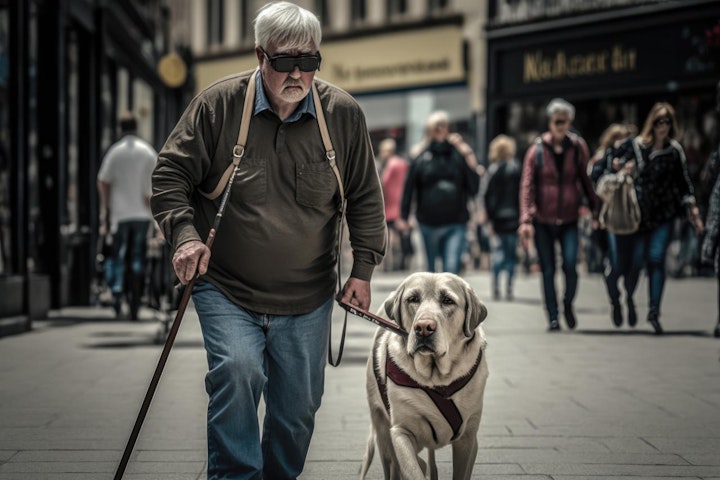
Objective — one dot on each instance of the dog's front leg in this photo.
(464, 451)
(406, 453)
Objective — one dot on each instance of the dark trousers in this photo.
(546, 235)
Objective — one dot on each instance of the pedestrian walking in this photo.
(265, 293)
(554, 180)
(710, 253)
(123, 183)
(501, 194)
(393, 170)
(664, 193)
(441, 181)
(610, 158)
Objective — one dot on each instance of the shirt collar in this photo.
(307, 105)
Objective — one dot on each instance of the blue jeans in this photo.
(251, 354)
(131, 234)
(504, 257)
(621, 253)
(446, 241)
(650, 249)
(545, 237)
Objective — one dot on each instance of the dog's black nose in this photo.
(425, 328)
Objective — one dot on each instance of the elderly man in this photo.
(264, 297)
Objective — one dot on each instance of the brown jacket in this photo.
(275, 250)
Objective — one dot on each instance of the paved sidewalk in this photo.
(596, 403)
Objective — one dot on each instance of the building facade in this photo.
(68, 68)
(613, 59)
(400, 59)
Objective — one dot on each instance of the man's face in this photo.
(559, 125)
(285, 87)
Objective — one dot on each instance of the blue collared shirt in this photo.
(307, 105)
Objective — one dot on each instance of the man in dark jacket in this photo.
(441, 180)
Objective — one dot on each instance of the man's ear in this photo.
(475, 311)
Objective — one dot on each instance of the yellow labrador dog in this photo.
(426, 391)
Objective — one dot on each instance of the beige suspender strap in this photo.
(239, 148)
(329, 150)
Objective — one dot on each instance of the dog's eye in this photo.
(445, 300)
(412, 299)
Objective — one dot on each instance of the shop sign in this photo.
(388, 61)
(665, 54)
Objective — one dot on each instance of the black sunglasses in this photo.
(662, 121)
(560, 122)
(287, 63)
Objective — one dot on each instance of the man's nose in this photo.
(296, 72)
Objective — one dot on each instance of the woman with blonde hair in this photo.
(607, 160)
(501, 192)
(664, 192)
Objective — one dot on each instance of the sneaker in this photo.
(509, 295)
(496, 294)
(654, 320)
(717, 330)
(632, 314)
(617, 317)
(569, 316)
(554, 325)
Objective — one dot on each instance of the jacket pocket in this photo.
(315, 184)
(251, 181)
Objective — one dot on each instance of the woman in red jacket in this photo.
(551, 191)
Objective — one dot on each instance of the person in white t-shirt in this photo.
(125, 189)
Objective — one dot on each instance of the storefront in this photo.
(67, 70)
(613, 66)
(398, 76)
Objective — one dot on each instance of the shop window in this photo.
(215, 22)
(245, 21)
(322, 11)
(358, 10)
(438, 5)
(396, 7)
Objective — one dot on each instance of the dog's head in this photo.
(437, 309)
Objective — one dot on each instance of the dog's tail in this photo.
(369, 454)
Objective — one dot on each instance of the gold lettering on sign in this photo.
(540, 67)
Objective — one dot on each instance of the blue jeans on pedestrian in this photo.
(545, 237)
(132, 234)
(282, 358)
(620, 255)
(650, 250)
(446, 241)
(504, 258)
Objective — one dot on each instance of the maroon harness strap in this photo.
(439, 395)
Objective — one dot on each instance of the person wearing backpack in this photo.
(554, 180)
(501, 187)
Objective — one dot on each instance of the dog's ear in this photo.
(392, 305)
(475, 311)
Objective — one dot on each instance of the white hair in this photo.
(559, 105)
(439, 117)
(286, 25)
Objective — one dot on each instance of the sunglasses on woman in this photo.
(287, 63)
(662, 121)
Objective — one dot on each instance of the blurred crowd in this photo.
(628, 207)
